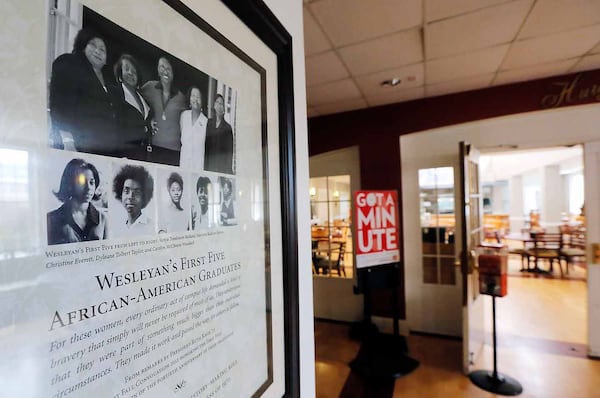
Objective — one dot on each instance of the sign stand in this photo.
(381, 355)
(377, 254)
(495, 381)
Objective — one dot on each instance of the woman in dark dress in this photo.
(83, 102)
(135, 114)
(218, 147)
(77, 220)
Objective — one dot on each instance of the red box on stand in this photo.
(493, 266)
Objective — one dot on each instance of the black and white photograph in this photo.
(132, 209)
(174, 197)
(78, 201)
(204, 203)
(193, 130)
(227, 212)
(112, 93)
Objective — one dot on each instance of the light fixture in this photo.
(336, 194)
(391, 82)
(313, 192)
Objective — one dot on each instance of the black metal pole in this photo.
(395, 299)
(367, 297)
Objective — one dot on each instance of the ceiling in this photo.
(503, 166)
(438, 47)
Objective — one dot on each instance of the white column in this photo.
(552, 195)
(516, 203)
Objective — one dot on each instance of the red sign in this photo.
(376, 228)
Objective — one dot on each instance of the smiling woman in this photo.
(82, 100)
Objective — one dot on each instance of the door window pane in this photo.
(331, 209)
(436, 196)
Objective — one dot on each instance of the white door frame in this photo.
(435, 148)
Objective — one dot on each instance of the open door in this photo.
(471, 226)
(591, 156)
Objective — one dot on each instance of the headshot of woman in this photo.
(173, 218)
(135, 113)
(200, 213)
(218, 153)
(227, 212)
(82, 101)
(77, 220)
(166, 103)
(193, 132)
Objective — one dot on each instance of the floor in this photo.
(542, 335)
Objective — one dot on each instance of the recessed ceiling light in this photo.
(391, 82)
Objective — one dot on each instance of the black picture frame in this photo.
(262, 22)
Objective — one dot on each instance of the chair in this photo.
(329, 256)
(522, 252)
(574, 247)
(546, 246)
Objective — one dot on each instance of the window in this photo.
(64, 26)
(436, 194)
(16, 237)
(330, 213)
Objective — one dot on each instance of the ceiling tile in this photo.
(470, 83)
(553, 16)
(341, 106)
(411, 76)
(551, 48)
(396, 96)
(323, 68)
(351, 21)
(314, 38)
(331, 92)
(462, 66)
(476, 30)
(587, 63)
(387, 52)
(535, 72)
(440, 9)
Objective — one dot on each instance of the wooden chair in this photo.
(329, 257)
(546, 246)
(574, 247)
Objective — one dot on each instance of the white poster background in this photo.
(30, 290)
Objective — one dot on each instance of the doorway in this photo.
(437, 148)
(528, 193)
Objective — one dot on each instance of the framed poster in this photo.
(160, 259)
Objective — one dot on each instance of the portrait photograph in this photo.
(132, 204)
(227, 205)
(112, 93)
(205, 202)
(174, 189)
(78, 199)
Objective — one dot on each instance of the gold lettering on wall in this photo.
(570, 93)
